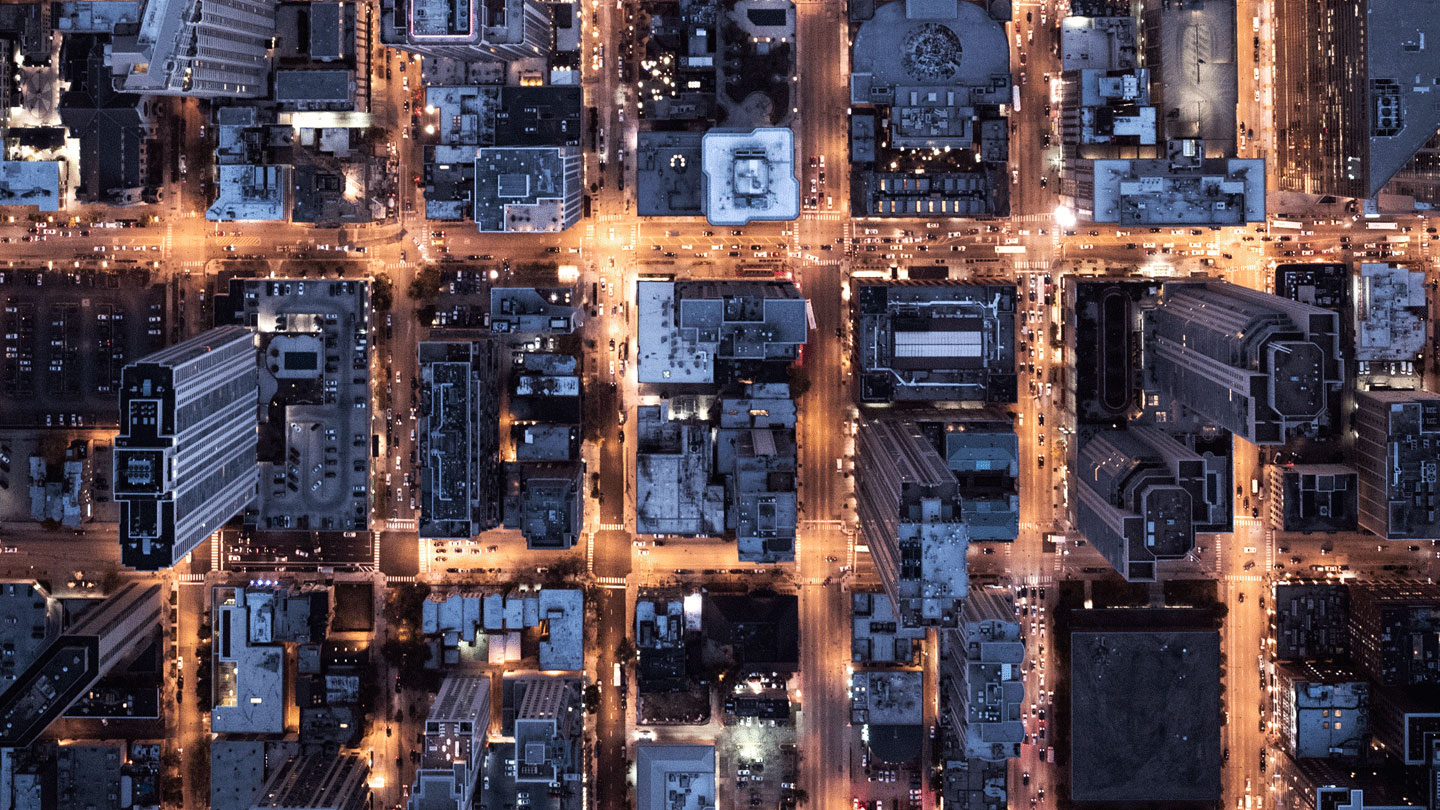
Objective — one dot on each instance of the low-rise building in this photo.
(674, 461)
(1170, 677)
(40, 183)
(690, 330)
(1391, 316)
(889, 706)
(1314, 497)
(545, 501)
(674, 777)
(528, 312)
(1324, 711)
(755, 451)
(459, 438)
(252, 628)
(1183, 188)
(936, 342)
(877, 636)
(527, 189)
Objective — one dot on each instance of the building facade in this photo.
(1263, 367)
(185, 459)
(196, 48)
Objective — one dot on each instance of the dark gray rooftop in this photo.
(1149, 705)
(1405, 107)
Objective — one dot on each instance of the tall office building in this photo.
(1140, 494)
(1261, 366)
(195, 48)
(185, 458)
(454, 751)
(105, 635)
(1395, 632)
(548, 719)
(1355, 107)
(467, 30)
(317, 781)
(910, 515)
(981, 682)
(1397, 453)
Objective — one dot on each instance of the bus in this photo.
(1285, 223)
(1377, 225)
(1015, 95)
(1009, 248)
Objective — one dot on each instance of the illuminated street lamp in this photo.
(1064, 216)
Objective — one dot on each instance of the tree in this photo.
(426, 284)
(625, 650)
(592, 698)
(382, 292)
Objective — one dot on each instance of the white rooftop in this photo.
(249, 193)
(564, 610)
(249, 679)
(674, 777)
(26, 182)
(750, 175)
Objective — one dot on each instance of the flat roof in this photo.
(1404, 107)
(674, 777)
(1150, 702)
(750, 176)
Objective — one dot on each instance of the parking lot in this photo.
(66, 336)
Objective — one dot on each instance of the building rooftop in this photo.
(315, 89)
(673, 464)
(669, 180)
(1311, 622)
(251, 193)
(1324, 712)
(1396, 449)
(249, 679)
(527, 189)
(531, 311)
(685, 326)
(1390, 324)
(1316, 497)
(930, 43)
(1196, 92)
(562, 647)
(545, 502)
(1184, 191)
(877, 636)
(545, 442)
(890, 705)
(749, 176)
(32, 623)
(1098, 43)
(37, 183)
(1404, 109)
(887, 697)
(936, 342)
(1151, 704)
(674, 777)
